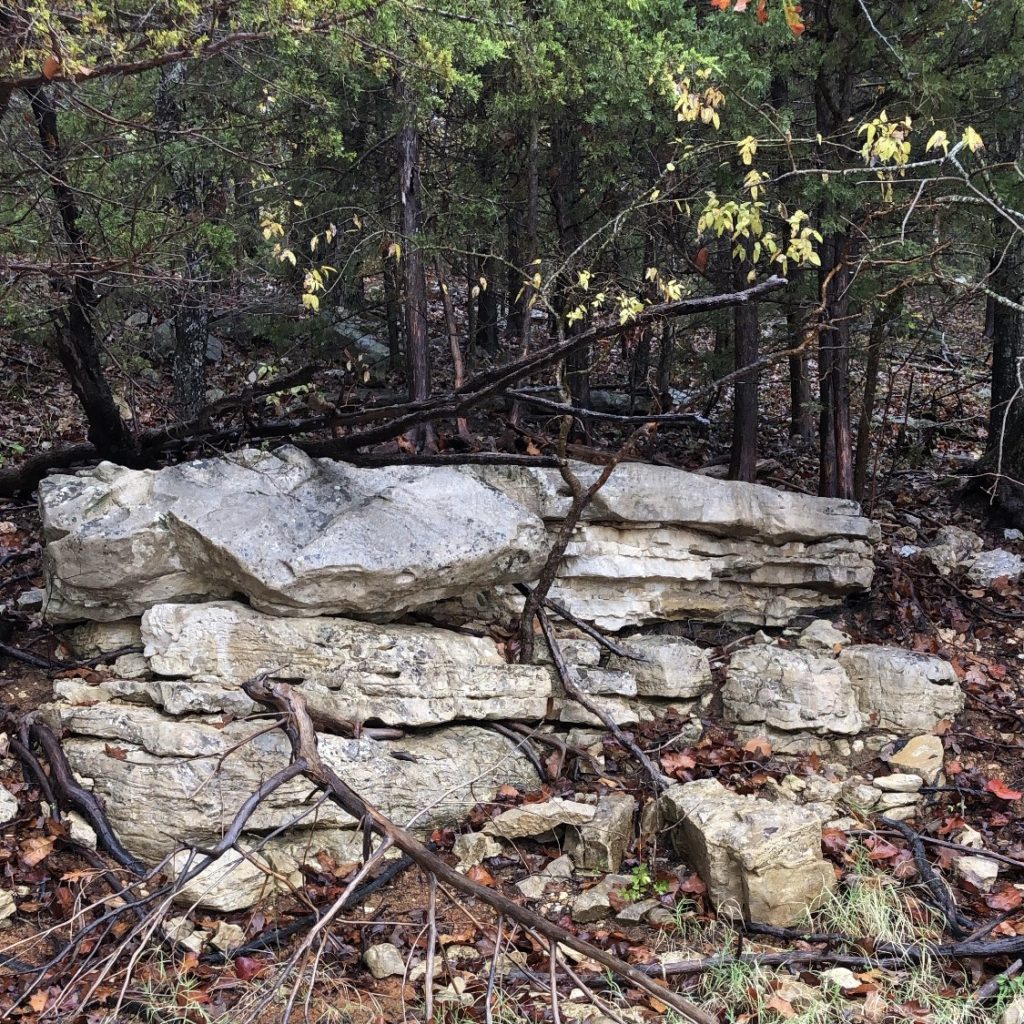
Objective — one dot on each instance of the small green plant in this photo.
(9, 448)
(642, 884)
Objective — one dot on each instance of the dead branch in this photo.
(565, 673)
(301, 735)
(71, 794)
(959, 924)
(397, 419)
(580, 500)
(690, 419)
(585, 627)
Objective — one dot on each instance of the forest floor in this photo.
(931, 429)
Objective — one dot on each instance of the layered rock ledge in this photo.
(298, 536)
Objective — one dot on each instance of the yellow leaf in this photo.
(972, 140)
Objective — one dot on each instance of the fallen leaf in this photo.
(1000, 789)
(834, 840)
(758, 746)
(117, 753)
(1007, 897)
(673, 763)
(38, 1001)
(881, 850)
(781, 1006)
(480, 875)
(36, 848)
(247, 967)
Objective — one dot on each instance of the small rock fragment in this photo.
(178, 929)
(560, 867)
(821, 635)
(952, 547)
(890, 801)
(991, 565)
(8, 806)
(1014, 1012)
(842, 978)
(31, 600)
(970, 837)
(859, 796)
(898, 782)
(81, 830)
(8, 908)
(473, 848)
(635, 913)
(921, 756)
(535, 819)
(600, 843)
(902, 813)
(981, 872)
(384, 961)
(595, 903)
(227, 936)
(533, 886)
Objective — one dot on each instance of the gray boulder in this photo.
(296, 536)
(760, 861)
(790, 690)
(902, 690)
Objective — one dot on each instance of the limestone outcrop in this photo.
(308, 569)
(298, 536)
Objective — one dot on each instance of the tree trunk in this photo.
(743, 460)
(77, 347)
(1004, 468)
(417, 349)
(836, 455)
(522, 296)
(565, 188)
(801, 415)
(1007, 281)
(876, 339)
(393, 313)
(191, 322)
(487, 307)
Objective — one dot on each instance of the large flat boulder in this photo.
(295, 535)
(399, 675)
